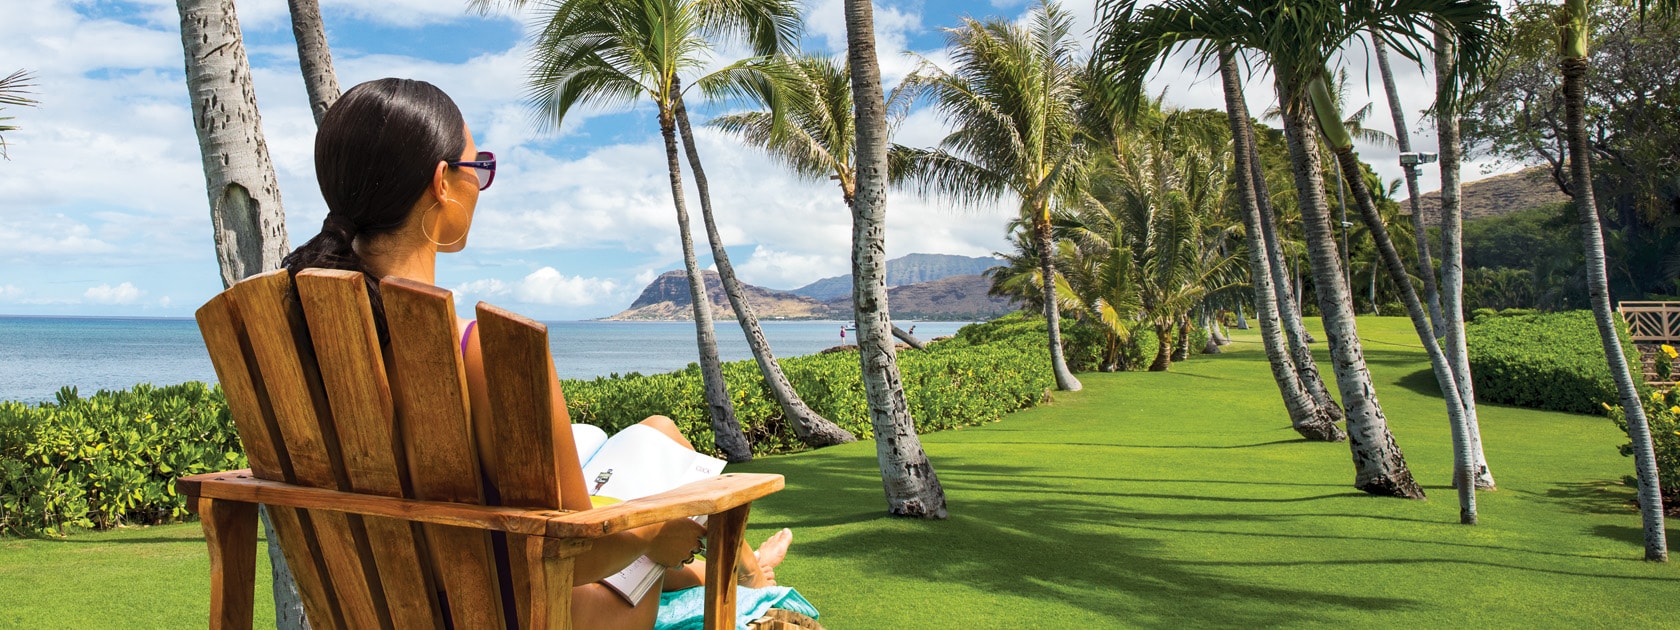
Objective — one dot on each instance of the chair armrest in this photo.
(704, 497)
(709, 496)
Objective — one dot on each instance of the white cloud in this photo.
(545, 286)
(124, 293)
(10, 292)
(784, 270)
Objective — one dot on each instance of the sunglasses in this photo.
(484, 167)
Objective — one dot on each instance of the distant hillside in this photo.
(954, 298)
(667, 299)
(906, 270)
(1498, 196)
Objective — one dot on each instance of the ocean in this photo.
(38, 355)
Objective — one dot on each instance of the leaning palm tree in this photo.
(1573, 34)
(1403, 141)
(612, 52)
(911, 486)
(1293, 39)
(1013, 98)
(12, 91)
(314, 56)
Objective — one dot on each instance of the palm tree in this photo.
(911, 486)
(1306, 415)
(1573, 33)
(1013, 98)
(1403, 140)
(1295, 40)
(247, 220)
(314, 56)
(12, 91)
(610, 52)
(1452, 255)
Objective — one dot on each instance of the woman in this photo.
(401, 178)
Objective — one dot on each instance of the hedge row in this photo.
(985, 371)
(112, 458)
(109, 459)
(1544, 361)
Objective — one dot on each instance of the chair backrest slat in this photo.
(341, 329)
(229, 348)
(280, 345)
(428, 386)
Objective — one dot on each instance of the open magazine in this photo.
(637, 462)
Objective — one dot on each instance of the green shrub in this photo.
(977, 376)
(1662, 415)
(1549, 361)
(109, 459)
(1392, 309)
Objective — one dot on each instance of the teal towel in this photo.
(686, 609)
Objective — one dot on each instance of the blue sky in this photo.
(103, 208)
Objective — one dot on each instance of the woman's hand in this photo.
(677, 542)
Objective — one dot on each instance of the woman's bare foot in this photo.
(771, 553)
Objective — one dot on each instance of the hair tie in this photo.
(336, 223)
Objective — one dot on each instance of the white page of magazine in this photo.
(644, 462)
(588, 439)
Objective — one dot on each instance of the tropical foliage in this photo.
(1544, 361)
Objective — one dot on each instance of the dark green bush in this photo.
(1550, 361)
(109, 459)
(982, 373)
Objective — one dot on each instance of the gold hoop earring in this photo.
(434, 241)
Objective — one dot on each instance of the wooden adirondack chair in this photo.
(371, 475)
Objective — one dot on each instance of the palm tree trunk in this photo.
(1379, 464)
(911, 486)
(726, 430)
(1573, 35)
(246, 215)
(314, 57)
(1163, 348)
(908, 338)
(1452, 258)
(1305, 415)
(811, 428)
(1242, 319)
(1181, 343)
(1288, 305)
(1463, 463)
(1065, 380)
(1426, 268)
(1214, 340)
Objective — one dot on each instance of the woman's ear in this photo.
(440, 184)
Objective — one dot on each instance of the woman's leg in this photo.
(756, 569)
(665, 425)
(596, 606)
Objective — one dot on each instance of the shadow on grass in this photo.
(1149, 446)
(1589, 497)
(1056, 546)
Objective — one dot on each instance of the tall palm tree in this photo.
(314, 56)
(1295, 39)
(1403, 140)
(1306, 415)
(1452, 254)
(911, 486)
(1573, 33)
(12, 91)
(611, 52)
(1013, 97)
(247, 220)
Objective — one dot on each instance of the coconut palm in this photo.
(1403, 140)
(12, 91)
(911, 486)
(314, 56)
(1573, 34)
(1296, 40)
(612, 52)
(1013, 97)
(1308, 417)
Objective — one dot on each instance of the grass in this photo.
(1148, 500)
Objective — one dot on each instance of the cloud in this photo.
(785, 270)
(10, 292)
(124, 293)
(545, 286)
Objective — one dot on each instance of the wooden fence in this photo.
(1652, 322)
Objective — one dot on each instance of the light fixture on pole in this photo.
(1414, 158)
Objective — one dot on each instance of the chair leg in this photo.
(549, 561)
(724, 533)
(230, 527)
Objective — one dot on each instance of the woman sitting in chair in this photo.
(401, 177)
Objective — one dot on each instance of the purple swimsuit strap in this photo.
(467, 334)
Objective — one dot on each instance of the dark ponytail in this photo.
(375, 153)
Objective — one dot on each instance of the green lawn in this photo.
(1157, 500)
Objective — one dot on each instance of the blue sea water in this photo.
(38, 355)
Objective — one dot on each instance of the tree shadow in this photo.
(1588, 497)
(1151, 446)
